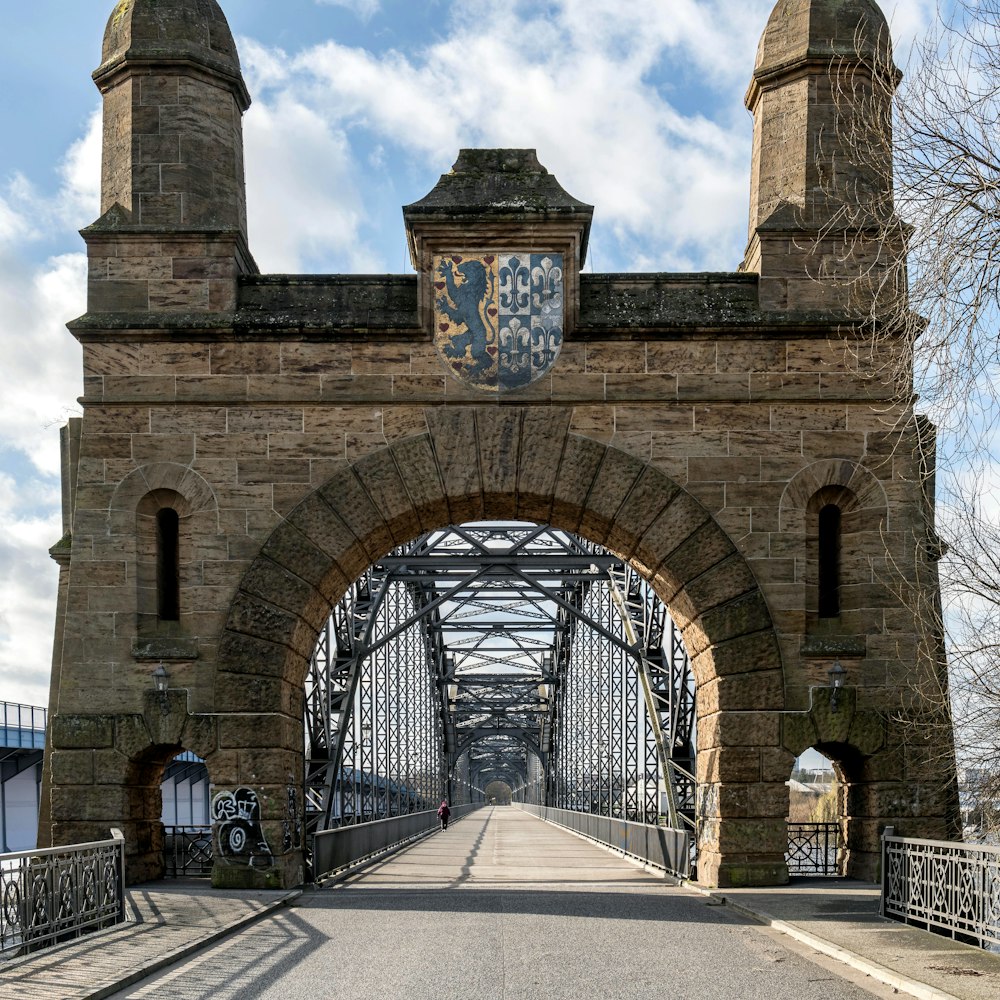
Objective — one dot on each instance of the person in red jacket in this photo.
(443, 813)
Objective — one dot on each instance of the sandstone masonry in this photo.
(301, 426)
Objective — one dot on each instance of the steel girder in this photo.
(463, 642)
(668, 686)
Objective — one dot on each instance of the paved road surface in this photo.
(504, 907)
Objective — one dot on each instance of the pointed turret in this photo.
(173, 232)
(821, 183)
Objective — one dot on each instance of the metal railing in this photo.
(345, 845)
(187, 851)
(948, 888)
(22, 726)
(57, 894)
(659, 845)
(812, 849)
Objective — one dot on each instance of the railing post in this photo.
(888, 832)
(119, 838)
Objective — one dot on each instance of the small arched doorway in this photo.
(814, 817)
(498, 793)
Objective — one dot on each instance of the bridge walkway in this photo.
(503, 906)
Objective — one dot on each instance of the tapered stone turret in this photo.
(172, 181)
(821, 180)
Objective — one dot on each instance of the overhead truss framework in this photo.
(499, 652)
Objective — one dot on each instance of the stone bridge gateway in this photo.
(251, 443)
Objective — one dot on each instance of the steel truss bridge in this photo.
(500, 652)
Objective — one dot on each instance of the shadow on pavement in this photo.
(657, 906)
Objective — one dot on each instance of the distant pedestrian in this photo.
(443, 813)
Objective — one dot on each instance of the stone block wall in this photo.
(300, 427)
(696, 457)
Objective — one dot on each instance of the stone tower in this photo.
(173, 232)
(821, 176)
(250, 444)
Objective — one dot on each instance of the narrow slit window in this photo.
(829, 561)
(168, 587)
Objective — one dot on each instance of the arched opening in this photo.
(826, 819)
(186, 817)
(518, 462)
(500, 651)
(498, 793)
(161, 562)
(144, 777)
(814, 816)
(838, 574)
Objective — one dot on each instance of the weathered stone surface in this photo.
(581, 460)
(74, 767)
(419, 474)
(615, 479)
(499, 433)
(646, 501)
(681, 518)
(302, 426)
(288, 547)
(453, 432)
(543, 433)
(251, 655)
(72, 732)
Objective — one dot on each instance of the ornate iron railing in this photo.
(54, 895)
(951, 889)
(187, 851)
(812, 849)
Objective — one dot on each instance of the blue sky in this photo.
(359, 105)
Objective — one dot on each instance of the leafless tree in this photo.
(946, 124)
(947, 132)
(934, 307)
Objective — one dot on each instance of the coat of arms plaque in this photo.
(498, 317)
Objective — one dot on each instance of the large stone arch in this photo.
(524, 463)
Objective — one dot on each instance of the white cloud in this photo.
(302, 190)
(363, 8)
(907, 19)
(42, 378)
(577, 80)
(42, 367)
(31, 523)
(80, 195)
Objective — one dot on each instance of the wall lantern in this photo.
(836, 674)
(161, 681)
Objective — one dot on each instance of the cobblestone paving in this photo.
(167, 921)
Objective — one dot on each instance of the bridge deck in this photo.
(504, 848)
(501, 906)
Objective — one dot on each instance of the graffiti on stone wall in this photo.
(239, 836)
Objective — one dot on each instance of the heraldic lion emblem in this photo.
(498, 317)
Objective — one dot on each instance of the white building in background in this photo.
(22, 740)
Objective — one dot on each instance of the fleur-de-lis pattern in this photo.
(498, 317)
